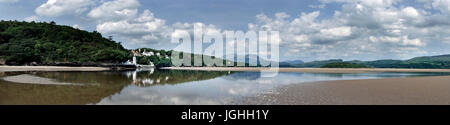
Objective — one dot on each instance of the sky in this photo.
(309, 29)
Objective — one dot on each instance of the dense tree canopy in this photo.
(48, 43)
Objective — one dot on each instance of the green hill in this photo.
(427, 62)
(49, 44)
(317, 64)
(383, 63)
(344, 65)
(431, 59)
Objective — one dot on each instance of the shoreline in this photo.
(50, 68)
(308, 70)
(391, 91)
(243, 69)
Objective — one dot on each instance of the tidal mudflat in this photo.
(392, 91)
(188, 87)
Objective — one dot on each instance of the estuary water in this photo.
(156, 87)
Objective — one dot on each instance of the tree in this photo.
(44, 43)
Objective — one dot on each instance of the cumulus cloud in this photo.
(336, 32)
(360, 28)
(403, 40)
(144, 29)
(121, 18)
(144, 24)
(53, 8)
(115, 10)
(442, 5)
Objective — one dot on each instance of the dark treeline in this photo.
(344, 65)
(41, 43)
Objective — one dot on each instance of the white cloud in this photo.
(146, 30)
(53, 8)
(121, 19)
(115, 10)
(337, 32)
(389, 39)
(410, 12)
(320, 6)
(76, 26)
(301, 38)
(370, 29)
(403, 40)
(361, 28)
(142, 29)
(31, 18)
(442, 5)
(413, 42)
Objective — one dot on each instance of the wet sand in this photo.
(312, 70)
(397, 91)
(49, 68)
(32, 79)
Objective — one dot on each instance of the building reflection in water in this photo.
(144, 81)
(151, 77)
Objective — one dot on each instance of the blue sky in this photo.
(309, 30)
(227, 14)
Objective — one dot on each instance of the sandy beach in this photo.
(312, 70)
(397, 91)
(49, 68)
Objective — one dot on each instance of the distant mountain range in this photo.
(432, 62)
(426, 62)
(313, 64)
(293, 62)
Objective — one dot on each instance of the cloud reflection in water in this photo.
(222, 89)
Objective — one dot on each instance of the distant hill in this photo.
(344, 65)
(50, 44)
(294, 62)
(248, 58)
(440, 58)
(383, 63)
(291, 63)
(427, 62)
(318, 64)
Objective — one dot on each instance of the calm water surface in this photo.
(166, 87)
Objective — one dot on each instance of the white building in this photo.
(148, 53)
